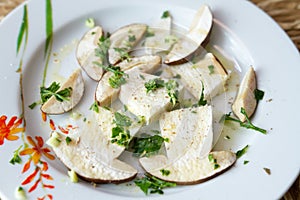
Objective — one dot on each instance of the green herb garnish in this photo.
(94, 107)
(149, 33)
(154, 84)
(68, 140)
(120, 136)
(165, 172)
(259, 94)
(241, 152)
(103, 45)
(16, 158)
(171, 86)
(118, 78)
(152, 184)
(122, 120)
(123, 52)
(211, 69)
(202, 101)
(165, 14)
(247, 124)
(213, 160)
(131, 38)
(267, 170)
(246, 162)
(52, 90)
(90, 22)
(147, 146)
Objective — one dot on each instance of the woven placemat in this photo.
(285, 12)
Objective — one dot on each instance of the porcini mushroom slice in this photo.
(86, 56)
(151, 105)
(105, 94)
(207, 73)
(158, 36)
(76, 83)
(93, 156)
(188, 157)
(200, 28)
(124, 40)
(190, 168)
(246, 96)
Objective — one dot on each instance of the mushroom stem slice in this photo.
(199, 30)
(86, 56)
(246, 96)
(53, 106)
(105, 94)
(124, 40)
(189, 169)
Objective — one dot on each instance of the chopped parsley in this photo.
(123, 52)
(259, 94)
(165, 14)
(103, 45)
(147, 146)
(241, 152)
(165, 172)
(227, 137)
(52, 90)
(202, 101)
(94, 107)
(151, 184)
(154, 84)
(68, 140)
(120, 134)
(16, 158)
(149, 33)
(247, 124)
(90, 22)
(177, 76)
(211, 69)
(246, 162)
(171, 86)
(122, 120)
(118, 77)
(131, 38)
(213, 160)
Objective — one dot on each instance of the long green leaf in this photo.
(23, 32)
(49, 38)
(49, 26)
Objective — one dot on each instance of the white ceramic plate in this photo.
(241, 32)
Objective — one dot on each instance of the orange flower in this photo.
(8, 131)
(36, 150)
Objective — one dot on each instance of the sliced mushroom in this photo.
(150, 105)
(199, 30)
(123, 41)
(105, 94)
(94, 156)
(246, 96)
(85, 53)
(158, 37)
(189, 169)
(207, 71)
(53, 106)
(189, 133)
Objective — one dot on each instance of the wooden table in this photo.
(285, 12)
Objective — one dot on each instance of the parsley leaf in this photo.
(16, 158)
(94, 107)
(165, 14)
(123, 52)
(154, 84)
(202, 101)
(259, 94)
(52, 90)
(122, 120)
(165, 172)
(213, 160)
(171, 86)
(147, 146)
(241, 152)
(211, 69)
(247, 124)
(120, 136)
(152, 184)
(103, 45)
